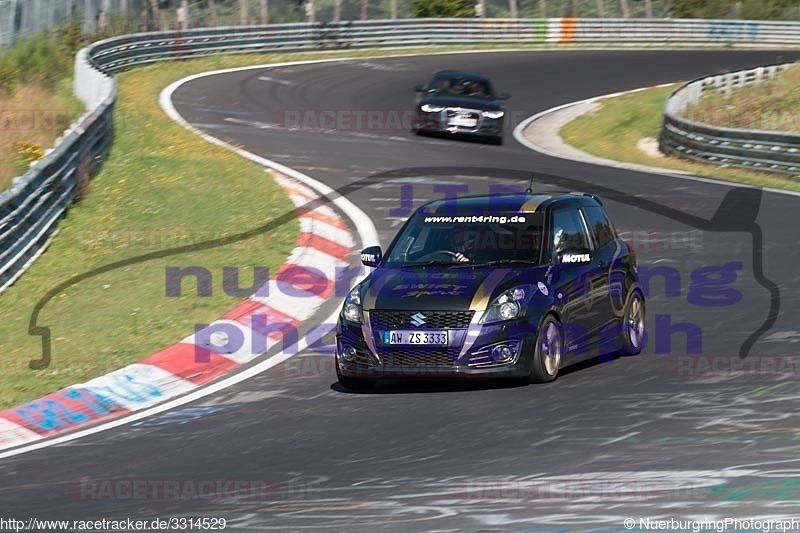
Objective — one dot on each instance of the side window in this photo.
(599, 226)
(568, 230)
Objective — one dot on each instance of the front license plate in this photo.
(437, 337)
(464, 122)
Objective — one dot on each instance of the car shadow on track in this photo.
(462, 137)
(439, 385)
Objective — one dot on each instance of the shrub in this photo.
(443, 8)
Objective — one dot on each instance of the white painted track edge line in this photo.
(367, 234)
(364, 226)
(196, 394)
(522, 126)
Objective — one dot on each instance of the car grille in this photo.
(451, 112)
(420, 357)
(383, 320)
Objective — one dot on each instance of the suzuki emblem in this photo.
(417, 319)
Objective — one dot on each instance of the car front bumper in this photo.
(438, 122)
(482, 358)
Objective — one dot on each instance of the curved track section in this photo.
(673, 433)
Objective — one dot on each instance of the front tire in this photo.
(633, 325)
(548, 351)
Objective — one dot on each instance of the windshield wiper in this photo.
(507, 262)
(432, 263)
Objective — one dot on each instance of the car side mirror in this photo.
(371, 256)
(503, 96)
(575, 255)
(419, 89)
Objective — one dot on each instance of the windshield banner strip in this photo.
(476, 219)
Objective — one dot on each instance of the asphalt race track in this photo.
(671, 433)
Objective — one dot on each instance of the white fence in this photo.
(22, 18)
(771, 151)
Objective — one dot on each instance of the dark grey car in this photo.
(460, 103)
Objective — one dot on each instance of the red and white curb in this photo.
(201, 364)
(304, 282)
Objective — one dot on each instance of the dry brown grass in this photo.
(31, 120)
(771, 105)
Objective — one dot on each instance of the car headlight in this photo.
(352, 307)
(428, 108)
(493, 114)
(508, 305)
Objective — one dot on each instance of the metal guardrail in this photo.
(32, 206)
(30, 209)
(119, 53)
(770, 151)
(26, 18)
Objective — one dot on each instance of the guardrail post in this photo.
(337, 10)
(694, 94)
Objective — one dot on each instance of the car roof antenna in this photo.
(529, 190)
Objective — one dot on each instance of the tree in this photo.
(443, 8)
(768, 10)
(264, 11)
(212, 9)
(244, 14)
(158, 15)
(699, 9)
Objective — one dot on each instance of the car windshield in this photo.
(468, 239)
(460, 86)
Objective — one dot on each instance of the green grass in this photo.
(615, 129)
(160, 187)
(45, 60)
